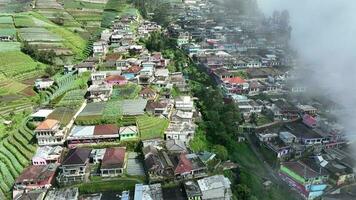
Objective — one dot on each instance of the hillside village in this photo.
(127, 120)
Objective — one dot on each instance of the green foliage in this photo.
(151, 127)
(46, 57)
(220, 151)
(107, 186)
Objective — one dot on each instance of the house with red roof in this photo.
(35, 177)
(116, 80)
(189, 166)
(114, 162)
(309, 121)
(92, 134)
(235, 84)
(49, 132)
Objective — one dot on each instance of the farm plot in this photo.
(88, 13)
(151, 127)
(93, 114)
(11, 6)
(9, 46)
(63, 114)
(38, 34)
(113, 109)
(47, 4)
(24, 21)
(16, 65)
(129, 91)
(72, 99)
(16, 150)
(6, 20)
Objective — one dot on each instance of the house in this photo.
(158, 108)
(177, 80)
(86, 66)
(303, 133)
(63, 194)
(192, 190)
(114, 162)
(6, 38)
(97, 78)
(286, 110)
(235, 85)
(184, 103)
(35, 177)
(287, 137)
(128, 132)
(161, 77)
(279, 149)
(215, 187)
(75, 166)
(101, 92)
(116, 80)
(148, 93)
(31, 195)
(47, 154)
(310, 121)
(309, 182)
(158, 164)
(184, 38)
(175, 146)
(49, 132)
(189, 166)
(307, 109)
(148, 192)
(182, 131)
(97, 155)
(206, 156)
(181, 116)
(43, 83)
(92, 134)
(100, 48)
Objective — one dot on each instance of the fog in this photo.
(324, 34)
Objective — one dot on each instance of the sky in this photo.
(324, 34)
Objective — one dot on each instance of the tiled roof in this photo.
(47, 124)
(114, 158)
(77, 156)
(106, 129)
(184, 165)
(115, 78)
(37, 173)
(235, 80)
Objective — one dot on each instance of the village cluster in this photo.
(252, 64)
(253, 70)
(69, 151)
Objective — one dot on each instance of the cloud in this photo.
(324, 34)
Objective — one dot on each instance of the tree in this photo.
(253, 118)
(50, 71)
(221, 152)
(242, 192)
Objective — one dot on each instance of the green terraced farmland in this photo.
(151, 127)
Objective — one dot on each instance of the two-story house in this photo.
(75, 166)
(49, 132)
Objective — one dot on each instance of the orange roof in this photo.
(235, 80)
(47, 124)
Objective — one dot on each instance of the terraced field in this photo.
(16, 151)
(151, 127)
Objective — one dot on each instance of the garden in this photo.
(151, 127)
